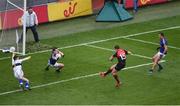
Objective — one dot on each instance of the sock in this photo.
(108, 71)
(116, 78)
(47, 68)
(20, 81)
(27, 84)
(160, 66)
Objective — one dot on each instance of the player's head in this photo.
(30, 10)
(16, 57)
(54, 50)
(161, 35)
(116, 47)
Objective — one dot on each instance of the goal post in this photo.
(24, 28)
(12, 27)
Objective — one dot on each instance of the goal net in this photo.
(12, 28)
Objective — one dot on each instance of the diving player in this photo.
(121, 57)
(55, 56)
(18, 72)
(161, 53)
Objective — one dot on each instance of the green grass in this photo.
(138, 87)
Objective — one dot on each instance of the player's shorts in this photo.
(18, 73)
(161, 55)
(120, 66)
(54, 65)
(57, 65)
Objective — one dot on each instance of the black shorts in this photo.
(120, 66)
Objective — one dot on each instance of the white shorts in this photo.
(56, 65)
(19, 74)
(159, 54)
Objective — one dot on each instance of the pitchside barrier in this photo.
(61, 10)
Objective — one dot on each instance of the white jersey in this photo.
(17, 68)
(17, 64)
(54, 58)
(31, 19)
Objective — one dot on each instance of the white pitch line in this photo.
(72, 79)
(3, 58)
(148, 42)
(102, 48)
(113, 38)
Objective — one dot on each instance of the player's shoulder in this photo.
(164, 41)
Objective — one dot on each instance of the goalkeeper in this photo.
(18, 72)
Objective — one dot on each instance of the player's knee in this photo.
(62, 65)
(111, 68)
(114, 72)
(153, 59)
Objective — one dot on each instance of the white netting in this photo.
(11, 12)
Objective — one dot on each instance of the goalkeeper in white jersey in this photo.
(18, 72)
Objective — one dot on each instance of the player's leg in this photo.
(18, 76)
(35, 34)
(21, 38)
(158, 62)
(27, 85)
(103, 74)
(48, 65)
(21, 76)
(117, 68)
(59, 66)
(115, 75)
(154, 59)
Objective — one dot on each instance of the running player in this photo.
(56, 54)
(18, 72)
(162, 51)
(121, 57)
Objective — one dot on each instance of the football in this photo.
(12, 49)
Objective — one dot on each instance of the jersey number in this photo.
(123, 56)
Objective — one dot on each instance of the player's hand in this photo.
(111, 58)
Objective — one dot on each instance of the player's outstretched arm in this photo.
(27, 58)
(12, 58)
(62, 54)
(111, 58)
(13, 54)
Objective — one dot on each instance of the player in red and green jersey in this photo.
(121, 57)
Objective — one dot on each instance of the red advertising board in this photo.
(97, 4)
(11, 19)
(129, 3)
(42, 13)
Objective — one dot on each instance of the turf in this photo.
(138, 87)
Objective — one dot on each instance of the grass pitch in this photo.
(86, 54)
